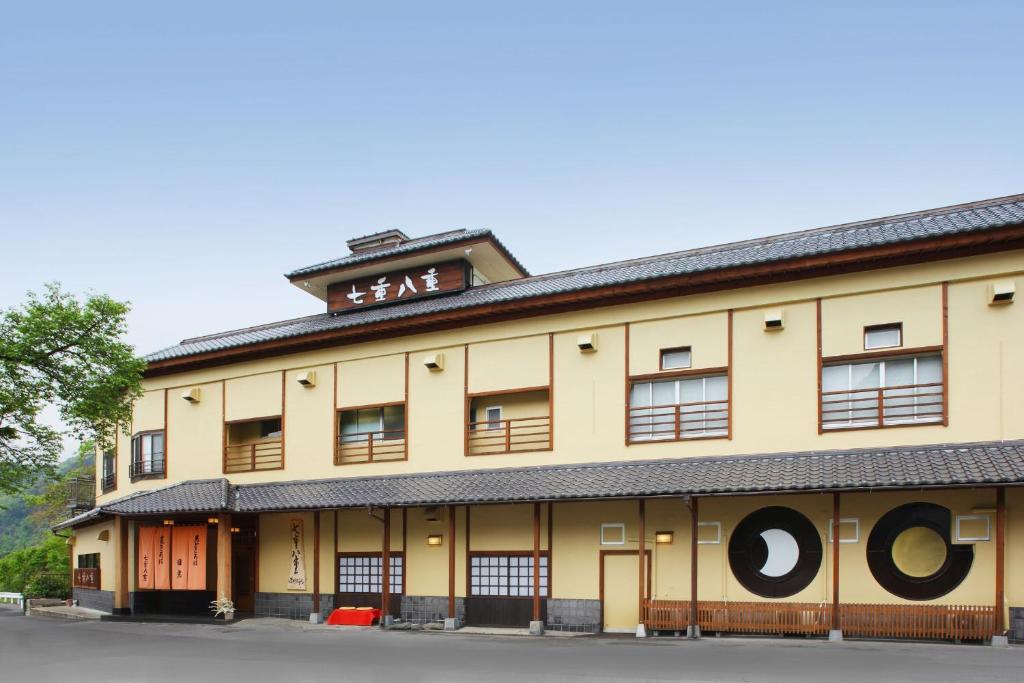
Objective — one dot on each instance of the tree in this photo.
(58, 350)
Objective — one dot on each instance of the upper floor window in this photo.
(253, 445)
(682, 408)
(108, 473)
(509, 422)
(886, 392)
(675, 359)
(883, 336)
(371, 434)
(148, 455)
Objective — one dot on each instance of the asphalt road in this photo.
(46, 649)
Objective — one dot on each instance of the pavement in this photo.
(45, 649)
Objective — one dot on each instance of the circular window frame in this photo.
(747, 552)
(954, 570)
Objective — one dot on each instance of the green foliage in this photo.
(57, 350)
(42, 568)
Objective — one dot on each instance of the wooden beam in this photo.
(451, 560)
(121, 604)
(536, 562)
(385, 568)
(1000, 560)
(694, 501)
(224, 556)
(835, 562)
(316, 562)
(641, 557)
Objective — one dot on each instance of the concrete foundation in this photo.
(536, 628)
(693, 632)
(835, 635)
(316, 618)
(1000, 641)
(452, 624)
(641, 631)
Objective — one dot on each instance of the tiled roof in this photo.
(996, 462)
(409, 246)
(974, 217)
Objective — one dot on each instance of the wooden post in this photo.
(121, 601)
(1000, 560)
(451, 561)
(316, 562)
(835, 562)
(224, 556)
(641, 555)
(385, 569)
(536, 561)
(693, 566)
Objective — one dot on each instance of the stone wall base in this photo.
(583, 616)
(428, 609)
(94, 599)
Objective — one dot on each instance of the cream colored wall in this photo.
(87, 541)
(194, 436)
(705, 335)
(576, 544)
(505, 527)
(986, 391)
(508, 364)
(148, 412)
(843, 319)
(369, 381)
(253, 396)
(274, 549)
(427, 566)
(359, 532)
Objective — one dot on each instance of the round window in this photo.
(775, 552)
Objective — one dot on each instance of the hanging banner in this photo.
(162, 558)
(197, 558)
(296, 560)
(144, 560)
(180, 537)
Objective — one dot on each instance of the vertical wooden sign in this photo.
(197, 558)
(162, 558)
(144, 561)
(180, 537)
(296, 559)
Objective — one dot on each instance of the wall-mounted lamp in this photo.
(307, 378)
(587, 343)
(168, 522)
(773, 320)
(212, 520)
(663, 537)
(434, 539)
(235, 529)
(434, 362)
(192, 394)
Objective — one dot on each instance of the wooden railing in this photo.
(958, 622)
(514, 435)
(379, 446)
(145, 468)
(679, 421)
(87, 577)
(265, 454)
(884, 406)
(938, 622)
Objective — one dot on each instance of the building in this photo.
(806, 433)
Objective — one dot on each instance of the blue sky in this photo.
(184, 155)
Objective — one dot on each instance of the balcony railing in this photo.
(140, 469)
(81, 493)
(266, 454)
(883, 406)
(380, 446)
(514, 435)
(108, 482)
(699, 419)
(88, 577)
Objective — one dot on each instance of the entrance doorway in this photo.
(620, 588)
(244, 547)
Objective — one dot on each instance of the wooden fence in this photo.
(952, 622)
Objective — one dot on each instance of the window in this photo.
(674, 359)
(883, 336)
(678, 409)
(108, 473)
(613, 534)
(371, 434)
(508, 575)
(883, 392)
(89, 561)
(253, 445)
(148, 455)
(362, 573)
(493, 417)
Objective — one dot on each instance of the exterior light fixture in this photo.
(212, 520)
(235, 529)
(168, 522)
(434, 539)
(663, 537)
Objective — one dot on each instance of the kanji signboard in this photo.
(402, 285)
